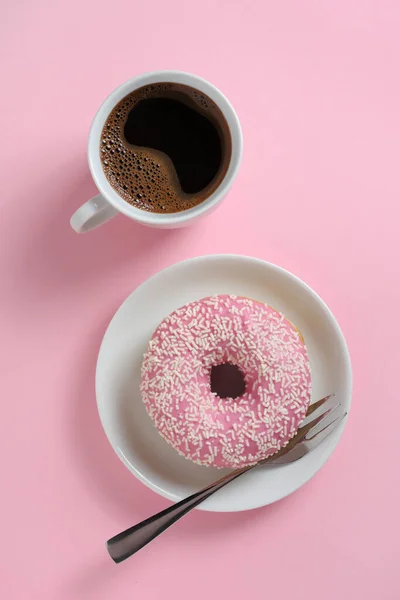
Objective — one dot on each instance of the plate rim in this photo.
(241, 258)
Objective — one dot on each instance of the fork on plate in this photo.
(321, 420)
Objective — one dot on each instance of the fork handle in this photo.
(126, 543)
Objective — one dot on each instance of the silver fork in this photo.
(322, 419)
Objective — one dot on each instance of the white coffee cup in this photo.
(109, 203)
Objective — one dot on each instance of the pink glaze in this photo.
(176, 389)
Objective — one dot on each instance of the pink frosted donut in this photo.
(182, 364)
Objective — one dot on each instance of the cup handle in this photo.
(92, 214)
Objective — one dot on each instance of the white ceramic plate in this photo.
(122, 413)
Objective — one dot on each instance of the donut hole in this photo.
(227, 381)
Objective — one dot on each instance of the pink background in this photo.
(316, 86)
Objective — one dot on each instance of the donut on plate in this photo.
(226, 381)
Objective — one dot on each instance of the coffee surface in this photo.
(165, 147)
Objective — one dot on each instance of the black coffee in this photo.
(165, 147)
